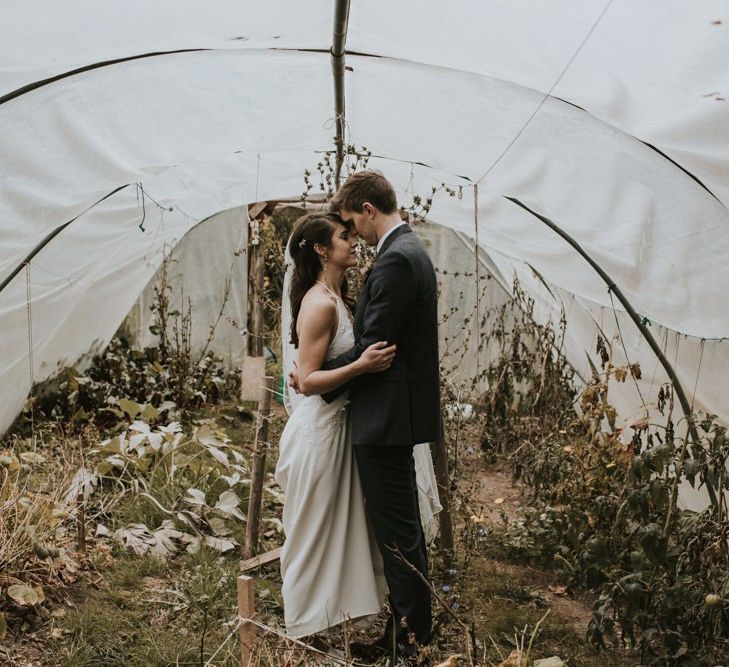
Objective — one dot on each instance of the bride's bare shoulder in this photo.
(317, 303)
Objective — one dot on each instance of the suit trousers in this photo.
(387, 474)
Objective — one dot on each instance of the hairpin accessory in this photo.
(302, 243)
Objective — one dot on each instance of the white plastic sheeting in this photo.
(551, 101)
(205, 275)
(656, 69)
(42, 39)
(454, 260)
(70, 143)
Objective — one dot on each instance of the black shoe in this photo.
(370, 651)
(382, 647)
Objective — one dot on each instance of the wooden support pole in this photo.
(440, 463)
(81, 523)
(257, 324)
(339, 41)
(258, 469)
(246, 610)
(254, 365)
(256, 274)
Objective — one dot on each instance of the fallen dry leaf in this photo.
(23, 595)
(514, 659)
(554, 661)
(640, 425)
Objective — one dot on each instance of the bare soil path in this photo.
(505, 597)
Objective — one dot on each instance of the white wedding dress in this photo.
(331, 569)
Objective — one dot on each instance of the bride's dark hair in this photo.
(309, 230)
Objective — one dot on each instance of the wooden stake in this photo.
(254, 364)
(440, 463)
(246, 610)
(256, 275)
(258, 469)
(81, 523)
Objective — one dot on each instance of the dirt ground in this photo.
(500, 592)
(497, 494)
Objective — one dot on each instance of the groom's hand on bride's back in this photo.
(377, 357)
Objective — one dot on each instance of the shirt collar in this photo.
(385, 235)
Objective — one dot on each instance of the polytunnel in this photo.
(123, 125)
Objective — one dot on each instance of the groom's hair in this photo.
(365, 186)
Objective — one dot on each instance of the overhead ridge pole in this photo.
(638, 323)
(339, 41)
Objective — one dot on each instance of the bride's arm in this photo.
(317, 319)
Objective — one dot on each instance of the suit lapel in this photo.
(396, 233)
(364, 295)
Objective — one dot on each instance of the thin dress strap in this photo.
(327, 288)
(339, 300)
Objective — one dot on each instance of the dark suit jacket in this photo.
(398, 304)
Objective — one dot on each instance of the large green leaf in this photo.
(130, 408)
(150, 413)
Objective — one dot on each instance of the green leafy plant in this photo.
(167, 378)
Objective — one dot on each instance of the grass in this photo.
(151, 613)
(32, 484)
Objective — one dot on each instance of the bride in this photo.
(331, 569)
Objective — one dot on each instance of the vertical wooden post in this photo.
(256, 274)
(246, 609)
(258, 469)
(254, 366)
(440, 463)
(81, 522)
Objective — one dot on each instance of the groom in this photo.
(392, 411)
